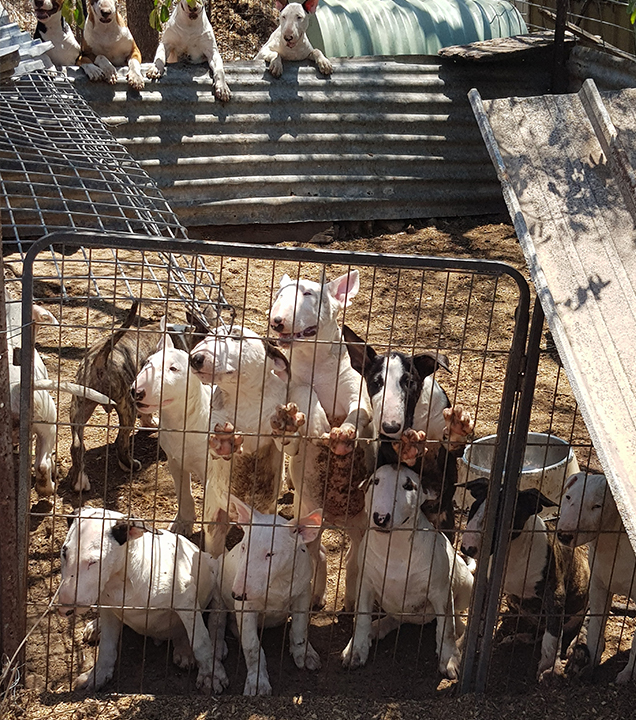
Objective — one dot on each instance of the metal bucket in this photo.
(547, 463)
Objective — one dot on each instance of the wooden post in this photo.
(559, 68)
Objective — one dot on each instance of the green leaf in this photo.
(154, 21)
(165, 13)
(67, 11)
(79, 15)
(632, 17)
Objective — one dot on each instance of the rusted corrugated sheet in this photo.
(381, 138)
(608, 71)
(350, 28)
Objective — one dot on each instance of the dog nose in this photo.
(196, 361)
(391, 428)
(106, 13)
(277, 323)
(288, 37)
(565, 538)
(381, 520)
(240, 598)
(471, 551)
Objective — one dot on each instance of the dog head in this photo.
(268, 554)
(392, 498)
(163, 379)
(94, 549)
(394, 381)
(529, 503)
(587, 508)
(294, 19)
(304, 309)
(45, 10)
(193, 9)
(103, 11)
(223, 357)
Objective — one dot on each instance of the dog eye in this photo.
(174, 369)
(567, 497)
(64, 552)
(596, 507)
(269, 554)
(307, 293)
(408, 485)
(91, 562)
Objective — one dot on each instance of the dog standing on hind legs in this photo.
(189, 35)
(108, 44)
(289, 40)
(51, 27)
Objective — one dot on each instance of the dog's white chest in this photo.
(614, 566)
(113, 42)
(526, 563)
(191, 42)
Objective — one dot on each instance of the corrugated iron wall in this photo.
(350, 28)
(381, 138)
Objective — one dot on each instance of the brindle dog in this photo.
(111, 367)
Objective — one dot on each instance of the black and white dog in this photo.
(52, 27)
(545, 584)
(413, 420)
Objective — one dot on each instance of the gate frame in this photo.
(512, 424)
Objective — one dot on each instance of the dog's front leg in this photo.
(158, 67)
(446, 633)
(212, 675)
(357, 651)
(274, 60)
(299, 648)
(186, 513)
(134, 77)
(257, 682)
(102, 672)
(109, 71)
(221, 89)
(323, 63)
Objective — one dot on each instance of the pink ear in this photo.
(345, 288)
(165, 341)
(135, 532)
(42, 315)
(310, 5)
(309, 527)
(240, 512)
(281, 4)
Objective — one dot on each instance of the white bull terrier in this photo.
(289, 41)
(164, 581)
(188, 35)
(266, 578)
(410, 569)
(589, 516)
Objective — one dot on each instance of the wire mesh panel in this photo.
(259, 421)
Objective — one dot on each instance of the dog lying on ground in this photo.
(410, 569)
(266, 578)
(164, 581)
(51, 27)
(108, 44)
(414, 421)
(589, 516)
(111, 366)
(289, 40)
(44, 410)
(188, 35)
(546, 584)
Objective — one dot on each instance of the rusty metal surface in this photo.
(382, 138)
(579, 241)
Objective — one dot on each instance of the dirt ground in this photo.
(466, 316)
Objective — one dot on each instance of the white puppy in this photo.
(108, 44)
(266, 578)
(410, 568)
(589, 515)
(51, 27)
(163, 580)
(289, 40)
(188, 35)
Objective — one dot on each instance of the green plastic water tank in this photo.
(351, 28)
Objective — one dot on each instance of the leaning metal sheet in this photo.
(578, 237)
(60, 169)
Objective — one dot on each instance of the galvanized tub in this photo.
(547, 463)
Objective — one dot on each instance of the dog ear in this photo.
(308, 527)
(285, 280)
(427, 362)
(536, 501)
(240, 512)
(310, 6)
(281, 4)
(281, 363)
(344, 288)
(478, 488)
(360, 354)
(125, 530)
(164, 339)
